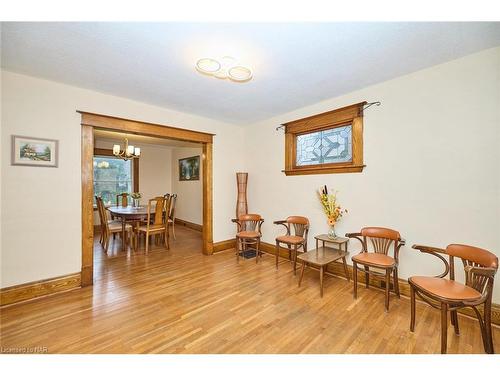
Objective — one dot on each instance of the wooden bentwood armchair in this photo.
(381, 240)
(249, 233)
(480, 267)
(293, 242)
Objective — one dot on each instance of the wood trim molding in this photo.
(189, 224)
(207, 199)
(351, 115)
(224, 245)
(144, 128)
(35, 289)
(337, 269)
(87, 273)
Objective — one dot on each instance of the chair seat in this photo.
(248, 234)
(116, 226)
(292, 240)
(443, 288)
(374, 259)
(152, 228)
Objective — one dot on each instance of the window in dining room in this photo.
(112, 176)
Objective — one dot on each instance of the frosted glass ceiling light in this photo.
(225, 68)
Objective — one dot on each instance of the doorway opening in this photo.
(100, 125)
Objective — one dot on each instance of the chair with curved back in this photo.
(381, 239)
(295, 241)
(155, 223)
(480, 267)
(171, 214)
(249, 233)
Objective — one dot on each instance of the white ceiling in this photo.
(119, 137)
(295, 64)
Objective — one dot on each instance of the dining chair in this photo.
(249, 233)
(480, 267)
(109, 227)
(295, 241)
(171, 215)
(381, 240)
(122, 199)
(155, 223)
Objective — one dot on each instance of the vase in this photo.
(241, 202)
(331, 232)
(135, 202)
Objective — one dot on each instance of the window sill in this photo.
(319, 170)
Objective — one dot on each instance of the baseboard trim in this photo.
(189, 224)
(35, 289)
(224, 245)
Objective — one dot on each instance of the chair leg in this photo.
(454, 321)
(147, 242)
(396, 282)
(237, 250)
(165, 236)
(412, 308)
(355, 278)
(295, 259)
(277, 253)
(367, 277)
(302, 272)
(257, 247)
(487, 328)
(387, 288)
(444, 327)
(173, 229)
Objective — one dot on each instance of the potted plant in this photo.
(331, 208)
(136, 196)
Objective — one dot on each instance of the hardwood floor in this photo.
(180, 301)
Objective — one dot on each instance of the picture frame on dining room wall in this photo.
(189, 168)
(34, 152)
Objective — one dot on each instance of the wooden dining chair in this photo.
(480, 267)
(122, 199)
(293, 241)
(381, 240)
(109, 227)
(249, 233)
(155, 223)
(171, 215)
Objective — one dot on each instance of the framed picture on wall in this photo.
(35, 152)
(189, 168)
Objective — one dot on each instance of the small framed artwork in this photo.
(34, 152)
(189, 168)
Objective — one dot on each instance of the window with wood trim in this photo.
(331, 142)
(114, 176)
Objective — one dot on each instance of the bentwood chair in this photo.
(249, 233)
(480, 267)
(295, 241)
(381, 240)
(109, 227)
(155, 223)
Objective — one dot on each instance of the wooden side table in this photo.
(322, 256)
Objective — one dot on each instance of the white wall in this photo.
(48, 200)
(432, 154)
(189, 205)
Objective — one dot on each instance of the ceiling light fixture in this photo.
(225, 68)
(128, 152)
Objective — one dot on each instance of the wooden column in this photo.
(207, 200)
(87, 205)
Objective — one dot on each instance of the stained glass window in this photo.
(324, 147)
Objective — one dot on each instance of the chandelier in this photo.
(129, 152)
(224, 68)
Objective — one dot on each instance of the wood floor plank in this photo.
(181, 301)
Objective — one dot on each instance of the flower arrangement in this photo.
(332, 210)
(136, 195)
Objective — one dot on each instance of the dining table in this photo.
(130, 214)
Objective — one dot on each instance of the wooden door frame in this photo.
(89, 121)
